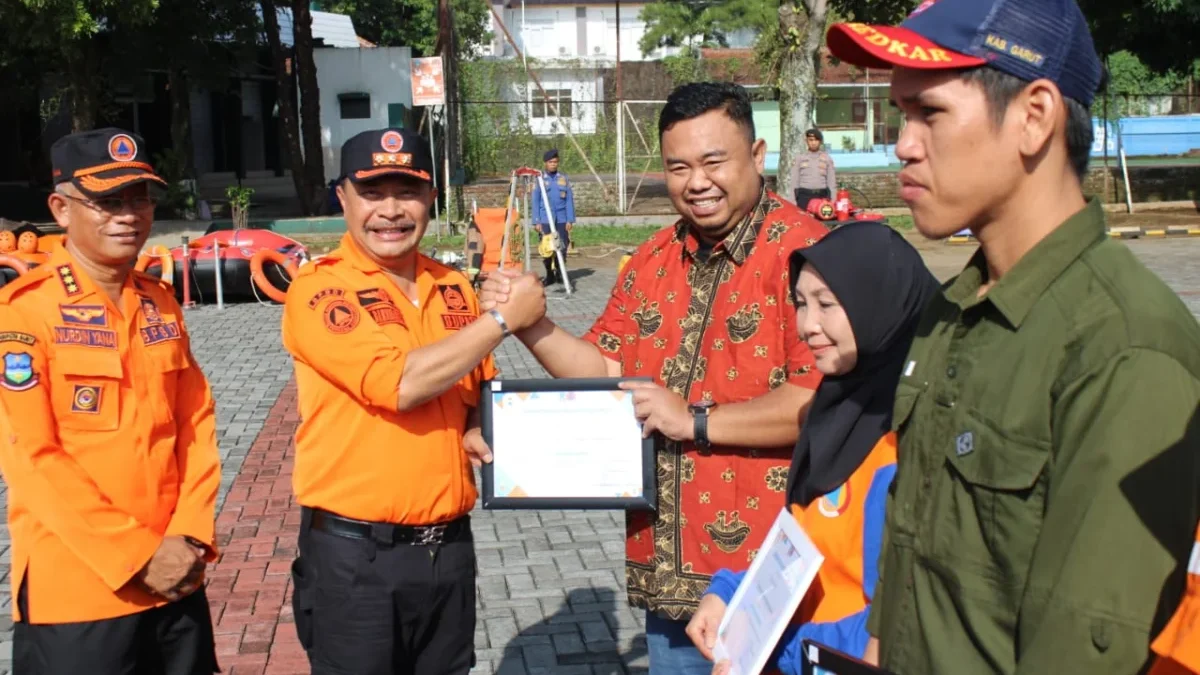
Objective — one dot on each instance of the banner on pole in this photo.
(428, 83)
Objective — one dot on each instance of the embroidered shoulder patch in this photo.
(14, 336)
(322, 294)
(70, 282)
(18, 372)
(340, 317)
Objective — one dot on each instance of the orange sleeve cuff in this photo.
(381, 383)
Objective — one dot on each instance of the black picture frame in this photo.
(647, 502)
(833, 661)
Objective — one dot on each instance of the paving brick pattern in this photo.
(551, 584)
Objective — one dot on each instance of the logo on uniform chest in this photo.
(458, 310)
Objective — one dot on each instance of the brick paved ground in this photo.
(551, 589)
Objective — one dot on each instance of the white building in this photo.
(582, 36)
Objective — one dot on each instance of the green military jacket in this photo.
(1048, 484)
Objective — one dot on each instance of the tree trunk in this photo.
(287, 108)
(83, 76)
(797, 81)
(310, 109)
(181, 119)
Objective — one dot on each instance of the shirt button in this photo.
(951, 372)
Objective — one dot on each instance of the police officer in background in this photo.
(562, 206)
(107, 437)
(812, 173)
(390, 349)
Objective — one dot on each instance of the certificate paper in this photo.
(564, 444)
(768, 597)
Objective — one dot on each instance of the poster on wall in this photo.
(428, 84)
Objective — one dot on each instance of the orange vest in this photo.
(107, 439)
(349, 329)
(1178, 646)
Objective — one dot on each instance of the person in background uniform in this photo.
(107, 437)
(1177, 648)
(859, 293)
(390, 349)
(562, 208)
(1047, 417)
(704, 310)
(813, 173)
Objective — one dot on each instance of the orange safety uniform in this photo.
(1178, 646)
(846, 525)
(350, 329)
(107, 439)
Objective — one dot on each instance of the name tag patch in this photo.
(85, 337)
(14, 336)
(152, 335)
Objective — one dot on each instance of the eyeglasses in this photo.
(115, 204)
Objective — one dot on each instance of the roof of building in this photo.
(333, 30)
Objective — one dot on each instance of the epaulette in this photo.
(147, 278)
(29, 281)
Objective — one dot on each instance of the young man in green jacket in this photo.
(1049, 412)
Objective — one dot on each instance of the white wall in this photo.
(553, 33)
(382, 72)
(586, 87)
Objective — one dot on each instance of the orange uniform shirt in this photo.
(1178, 646)
(107, 439)
(350, 329)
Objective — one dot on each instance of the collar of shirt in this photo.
(349, 252)
(1015, 294)
(736, 244)
(79, 288)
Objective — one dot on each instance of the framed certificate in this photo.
(565, 444)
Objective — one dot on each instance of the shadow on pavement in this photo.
(579, 638)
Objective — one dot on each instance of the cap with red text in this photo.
(101, 162)
(1028, 39)
(386, 152)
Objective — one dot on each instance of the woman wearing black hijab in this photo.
(859, 294)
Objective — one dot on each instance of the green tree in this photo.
(702, 23)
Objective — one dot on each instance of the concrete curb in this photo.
(1172, 231)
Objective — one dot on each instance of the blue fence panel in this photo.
(1160, 135)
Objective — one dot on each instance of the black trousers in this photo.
(804, 195)
(363, 608)
(175, 639)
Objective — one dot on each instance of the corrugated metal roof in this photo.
(336, 30)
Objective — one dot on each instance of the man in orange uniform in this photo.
(107, 437)
(389, 357)
(1178, 646)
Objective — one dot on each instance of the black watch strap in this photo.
(700, 426)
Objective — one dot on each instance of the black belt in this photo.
(389, 534)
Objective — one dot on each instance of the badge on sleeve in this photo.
(340, 317)
(18, 372)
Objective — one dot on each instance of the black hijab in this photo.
(883, 285)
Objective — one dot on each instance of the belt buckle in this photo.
(432, 534)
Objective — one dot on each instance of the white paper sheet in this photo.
(759, 612)
(566, 444)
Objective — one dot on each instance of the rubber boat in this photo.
(22, 249)
(256, 265)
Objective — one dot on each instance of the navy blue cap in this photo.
(382, 152)
(550, 154)
(102, 162)
(1028, 39)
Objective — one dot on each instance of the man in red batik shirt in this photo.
(704, 309)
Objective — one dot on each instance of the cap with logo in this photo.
(1028, 39)
(386, 152)
(102, 162)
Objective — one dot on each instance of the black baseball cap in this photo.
(1028, 39)
(102, 162)
(383, 152)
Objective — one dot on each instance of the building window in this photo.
(560, 96)
(356, 106)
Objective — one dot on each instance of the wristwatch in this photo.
(500, 320)
(700, 411)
